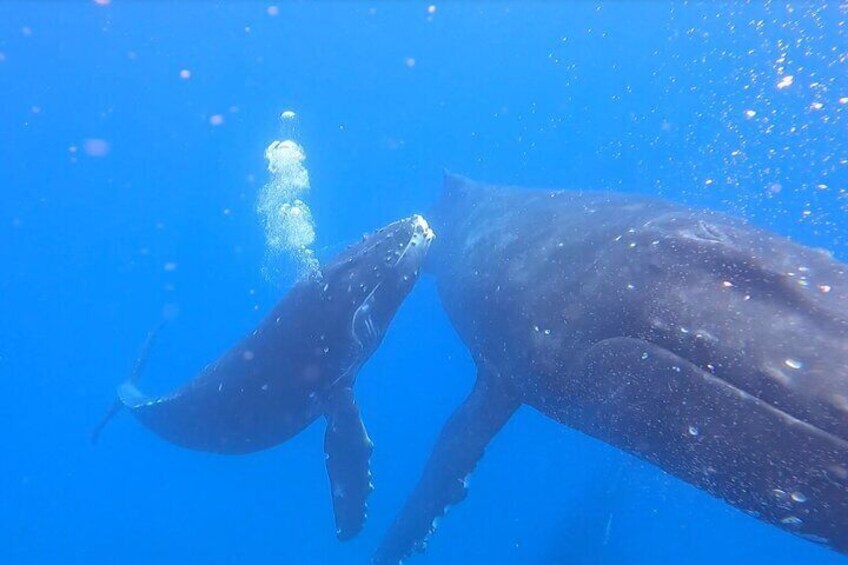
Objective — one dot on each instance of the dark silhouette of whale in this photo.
(712, 349)
(298, 364)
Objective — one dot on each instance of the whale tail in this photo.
(129, 384)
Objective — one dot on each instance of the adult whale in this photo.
(714, 350)
(298, 364)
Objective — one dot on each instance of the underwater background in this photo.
(132, 139)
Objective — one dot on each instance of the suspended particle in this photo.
(785, 82)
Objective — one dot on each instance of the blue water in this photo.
(122, 201)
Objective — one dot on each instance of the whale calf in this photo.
(709, 348)
(298, 364)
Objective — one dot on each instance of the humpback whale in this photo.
(299, 363)
(710, 348)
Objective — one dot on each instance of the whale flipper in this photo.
(630, 395)
(348, 449)
(459, 447)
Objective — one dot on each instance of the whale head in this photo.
(367, 283)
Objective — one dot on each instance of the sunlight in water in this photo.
(285, 215)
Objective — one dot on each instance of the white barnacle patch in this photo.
(825, 288)
(264, 387)
(632, 244)
(630, 287)
(778, 374)
(793, 521)
(793, 363)
(726, 284)
(220, 386)
(705, 335)
(798, 497)
(814, 538)
(694, 431)
(644, 355)
(466, 480)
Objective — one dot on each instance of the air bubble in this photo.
(287, 219)
(785, 82)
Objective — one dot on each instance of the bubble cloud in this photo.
(282, 208)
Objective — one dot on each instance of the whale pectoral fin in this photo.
(648, 400)
(348, 450)
(460, 445)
